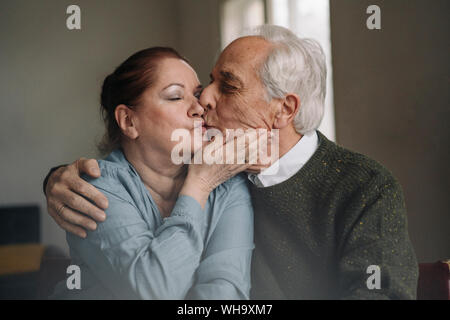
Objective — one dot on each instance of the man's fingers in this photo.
(86, 189)
(80, 204)
(88, 166)
(72, 228)
(80, 232)
(76, 218)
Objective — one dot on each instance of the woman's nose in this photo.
(196, 110)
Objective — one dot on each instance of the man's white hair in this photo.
(295, 65)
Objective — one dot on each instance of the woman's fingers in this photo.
(225, 160)
(257, 168)
(250, 150)
(240, 146)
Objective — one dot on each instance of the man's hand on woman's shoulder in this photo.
(67, 195)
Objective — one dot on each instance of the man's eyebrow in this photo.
(230, 77)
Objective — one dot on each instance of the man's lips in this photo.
(205, 124)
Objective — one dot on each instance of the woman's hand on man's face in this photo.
(65, 192)
(203, 178)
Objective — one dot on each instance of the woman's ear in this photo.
(290, 106)
(126, 121)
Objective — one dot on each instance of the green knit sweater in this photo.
(318, 232)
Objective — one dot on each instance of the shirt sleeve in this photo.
(224, 272)
(135, 263)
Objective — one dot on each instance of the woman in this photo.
(169, 233)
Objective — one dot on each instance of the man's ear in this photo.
(290, 106)
(126, 121)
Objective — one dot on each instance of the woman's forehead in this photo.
(176, 70)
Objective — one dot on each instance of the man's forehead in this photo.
(245, 49)
(242, 55)
(232, 73)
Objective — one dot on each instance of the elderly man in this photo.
(331, 223)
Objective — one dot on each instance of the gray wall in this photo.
(50, 81)
(199, 34)
(391, 93)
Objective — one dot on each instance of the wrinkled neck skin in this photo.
(288, 139)
(160, 175)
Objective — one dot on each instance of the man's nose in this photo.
(208, 98)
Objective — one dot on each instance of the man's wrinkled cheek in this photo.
(237, 111)
(247, 110)
(240, 107)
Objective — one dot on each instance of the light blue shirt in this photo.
(194, 253)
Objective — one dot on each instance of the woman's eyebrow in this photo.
(174, 84)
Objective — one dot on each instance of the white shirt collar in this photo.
(289, 164)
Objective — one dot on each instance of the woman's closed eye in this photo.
(175, 95)
(175, 98)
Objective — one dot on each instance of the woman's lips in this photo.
(202, 125)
